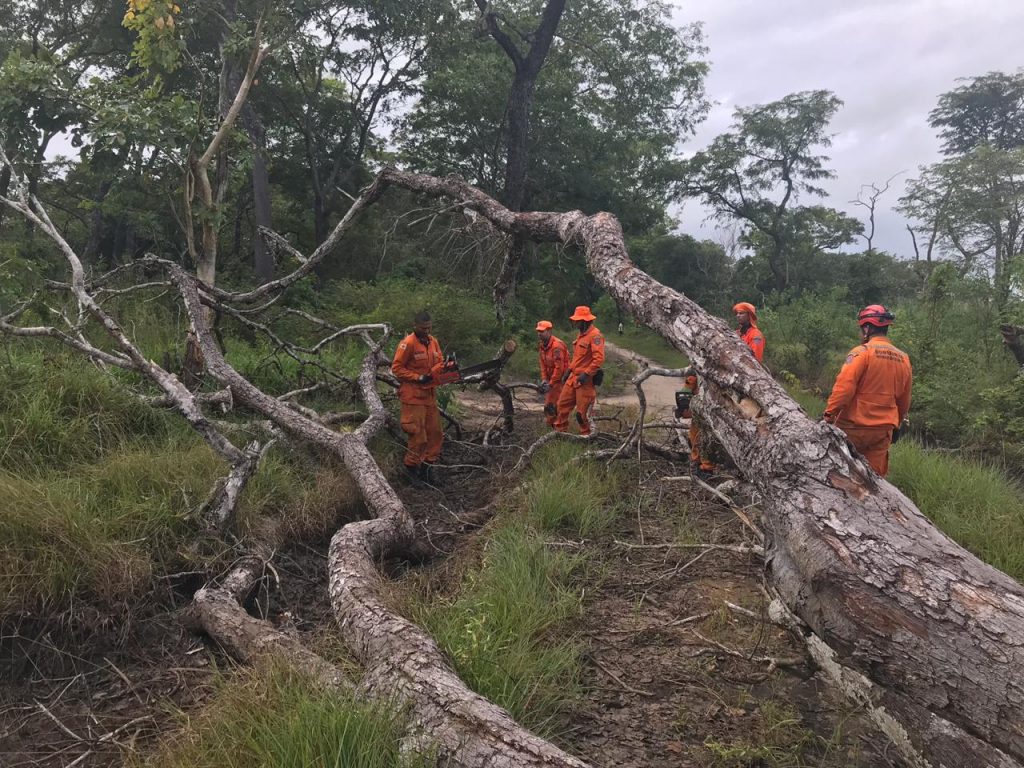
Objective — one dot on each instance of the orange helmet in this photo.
(748, 308)
(875, 314)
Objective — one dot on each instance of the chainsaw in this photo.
(451, 373)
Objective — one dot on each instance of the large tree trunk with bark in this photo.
(940, 633)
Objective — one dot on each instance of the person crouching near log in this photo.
(871, 395)
(554, 359)
(579, 390)
(417, 364)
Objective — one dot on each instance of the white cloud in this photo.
(888, 60)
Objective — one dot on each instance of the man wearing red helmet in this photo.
(578, 391)
(871, 395)
(554, 358)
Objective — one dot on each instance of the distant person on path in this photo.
(578, 390)
(554, 359)
(417, 364)
(871, 395)
(746, 318)
(620, 327)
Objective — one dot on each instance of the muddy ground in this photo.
(673, 677)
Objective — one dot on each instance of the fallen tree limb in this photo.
(940, 631)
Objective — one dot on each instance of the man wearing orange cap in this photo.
(417, 363)
(746, 318)
(871, 395)
(578, 391)
(554, 357)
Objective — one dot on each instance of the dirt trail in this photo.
(659, 390)
(659, 694)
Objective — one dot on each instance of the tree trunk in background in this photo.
(520, 104)
(938, 632)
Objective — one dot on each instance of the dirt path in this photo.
(660, 695)
(659, 390)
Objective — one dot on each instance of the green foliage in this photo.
(503, 629)
(463, 321)
(578, 499)
(973, 503)
(58, 411)
(497, 631)
(273, 716)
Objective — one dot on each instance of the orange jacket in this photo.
(554, 359)
(755, 340)
(587, 352)
(413, 358)
(872, 388)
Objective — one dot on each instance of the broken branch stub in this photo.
(941, 632)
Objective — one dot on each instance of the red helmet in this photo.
(875, 314)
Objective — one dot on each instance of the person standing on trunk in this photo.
(554, 359)
(746, 319)
(417, 364)
(578, 390)
(871, 395)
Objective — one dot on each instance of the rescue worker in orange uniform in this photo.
(554, 358)
(871, 395)
(746, 320)
(578, 390)
(417, 364)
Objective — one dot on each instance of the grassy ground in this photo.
(274, 717)
(973, 503)
(646, 342)
(506, 623)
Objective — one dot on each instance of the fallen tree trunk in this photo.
(940, 632)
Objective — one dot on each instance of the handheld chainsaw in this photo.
(451, 373)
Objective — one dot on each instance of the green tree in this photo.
(756, 173)
(988, 109)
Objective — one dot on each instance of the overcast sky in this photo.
(888, 60)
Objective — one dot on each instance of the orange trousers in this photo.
(580, 398)
(422, 423)
(873, 444)
(695, 456)
(551, 404)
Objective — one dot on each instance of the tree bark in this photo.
(940, 632)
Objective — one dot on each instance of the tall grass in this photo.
(507, 627)
(100, 494)
(973, 503)
(275, 718)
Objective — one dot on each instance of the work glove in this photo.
(582, 378)
(544, 387)
(565, 376)
(426, 378)
(550, 410)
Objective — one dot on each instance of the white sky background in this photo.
(888, 60)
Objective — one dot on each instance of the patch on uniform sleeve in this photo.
(403, 345)
(757, 340)
(557, 354)
(849, 359)
(598, 340)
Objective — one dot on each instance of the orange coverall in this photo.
(421, 420)
(754, 339)
(553, 360)
(870, 398)
(587, 357)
